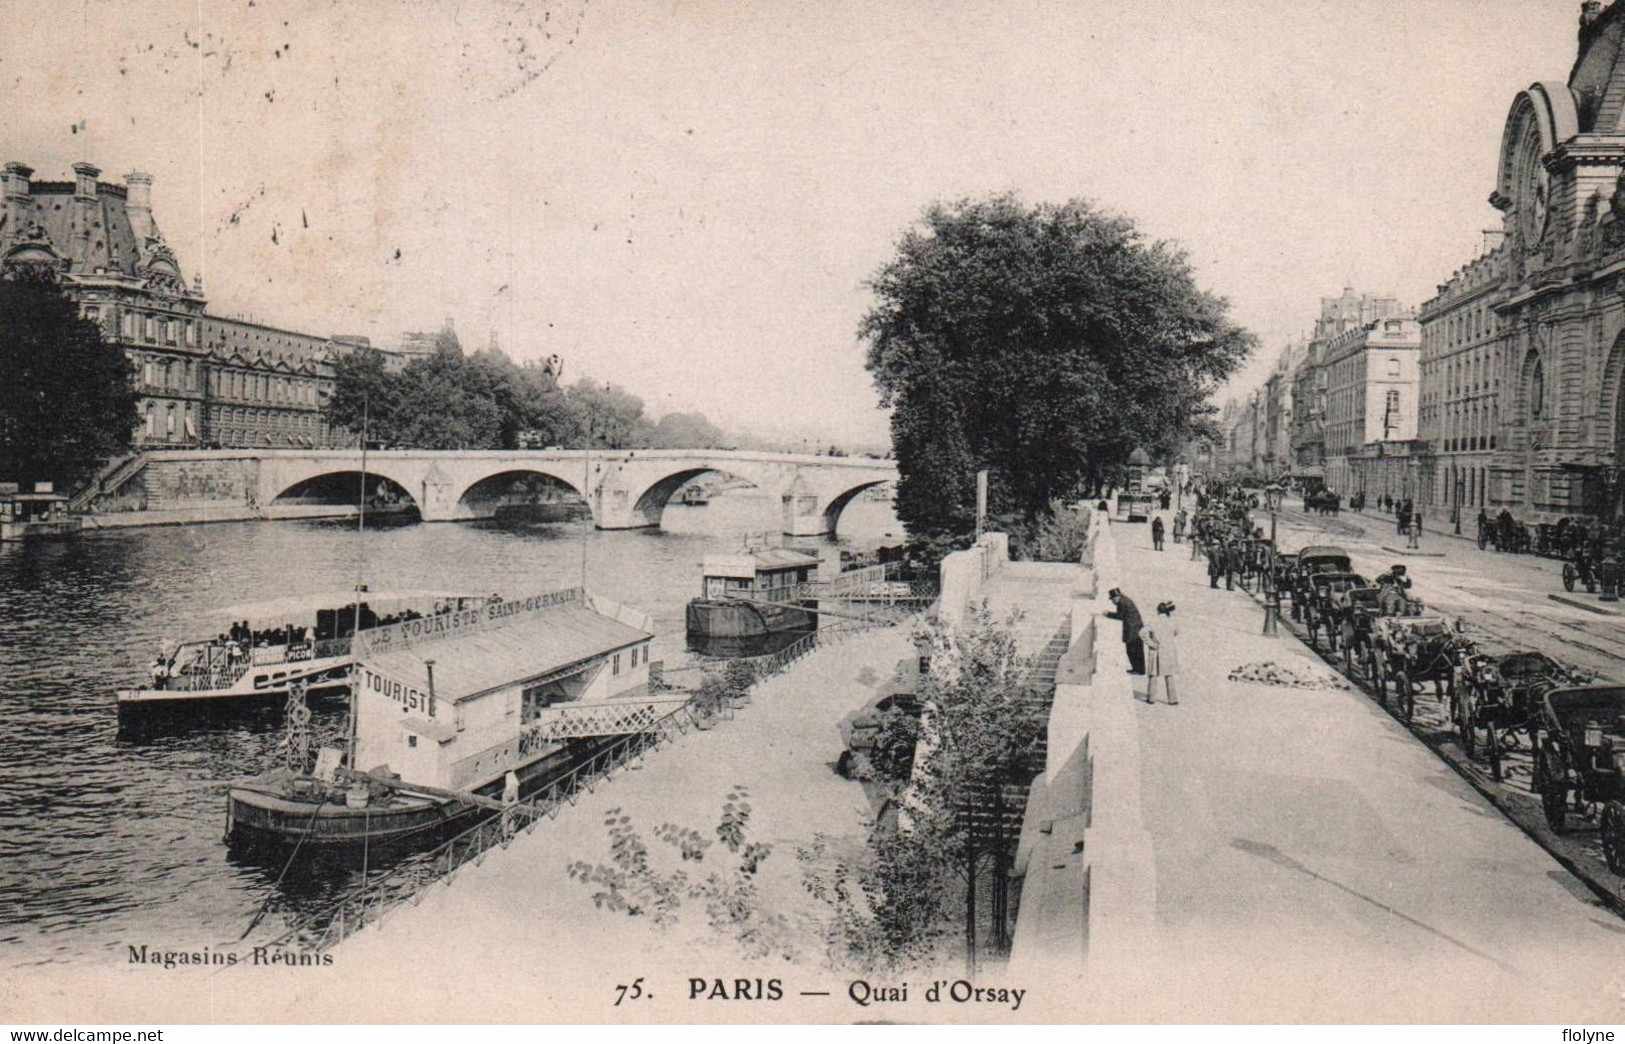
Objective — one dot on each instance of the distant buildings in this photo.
(1339, 409)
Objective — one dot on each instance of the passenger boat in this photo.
(261, 648)
(449, 712)
(753, 594)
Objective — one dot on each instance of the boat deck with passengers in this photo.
(265, 647)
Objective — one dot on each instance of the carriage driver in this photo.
(1394, 584)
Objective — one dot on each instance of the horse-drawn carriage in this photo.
(1359, 608)
(1323, 608)
(1504, 533)
(1580, 764)
(1310, 560)
(1500, 695)
(1409, 650)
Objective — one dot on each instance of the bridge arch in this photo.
(650, 504)
(503, 481)
(335, 485)
(838, 503)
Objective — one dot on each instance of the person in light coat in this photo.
(1161, 640)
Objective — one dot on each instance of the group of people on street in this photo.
(1159, 531)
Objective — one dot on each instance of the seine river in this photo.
(107, 841)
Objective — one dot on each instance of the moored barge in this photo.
(459, 715)
(754, 594)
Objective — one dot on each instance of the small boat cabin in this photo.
(44, 512)
(770, 575)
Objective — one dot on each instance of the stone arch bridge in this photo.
(625, 489)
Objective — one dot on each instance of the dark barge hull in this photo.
(708, 619)
(258, 816)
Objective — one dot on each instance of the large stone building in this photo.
(1459, 424)
(1527, 344)
(204, 380)
(1371, 392)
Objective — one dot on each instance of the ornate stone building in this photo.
(1528, 343)
(1371, 393)
(204, 380)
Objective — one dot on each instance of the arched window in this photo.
(1537, 389)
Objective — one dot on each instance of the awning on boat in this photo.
(296, 608)
(527, 647)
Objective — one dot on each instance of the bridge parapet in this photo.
(625, 489)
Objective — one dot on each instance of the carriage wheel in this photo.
(1464, 720)
(1570, 574)
(1492, 743)
(1406, 693)
(1613, 836)
(1483, 539)
(1378, 681)
(1311, 624)
(1554, 789)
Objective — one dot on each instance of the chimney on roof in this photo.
(17, 180)
(84, 180)
(138, 205)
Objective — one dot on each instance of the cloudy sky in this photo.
(686, 198)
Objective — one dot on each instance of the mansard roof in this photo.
(89, 234)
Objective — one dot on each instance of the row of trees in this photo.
(449, 400)
(1042, 343)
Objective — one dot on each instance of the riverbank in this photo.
(515, 938)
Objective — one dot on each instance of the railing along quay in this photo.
(372, 900)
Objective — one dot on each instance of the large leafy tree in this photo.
(67, 398)
(1042, 343)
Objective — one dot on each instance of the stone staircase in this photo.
(109, 480)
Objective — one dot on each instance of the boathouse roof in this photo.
(527, 647)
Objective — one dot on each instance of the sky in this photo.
(686, 198)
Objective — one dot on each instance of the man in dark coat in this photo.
(1157, 531)
(1129, 613)
(1215, 566)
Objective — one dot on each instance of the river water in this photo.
(108, 841)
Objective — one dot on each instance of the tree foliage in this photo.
(632, 883)
(67, 398)
(896, 905)
(1041, 343)
(449, 400)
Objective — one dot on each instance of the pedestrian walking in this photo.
(1126, 611)
(1215, 566)
(1180, 522)
(1161, 654)
(1156, 533)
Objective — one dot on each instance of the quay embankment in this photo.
(1271, 853)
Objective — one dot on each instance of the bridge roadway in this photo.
(625, 489)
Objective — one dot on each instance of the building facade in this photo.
(1372, 374)
(204, 380)
(1461, 372)
(1526, 382)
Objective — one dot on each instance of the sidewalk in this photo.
(1314, 862)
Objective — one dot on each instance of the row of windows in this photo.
(1460, 329)
(262, 387)
(149, 328)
